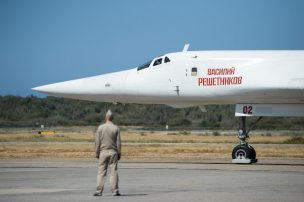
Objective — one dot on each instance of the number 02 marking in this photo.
(247, 109)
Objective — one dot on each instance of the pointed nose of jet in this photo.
(97, 88)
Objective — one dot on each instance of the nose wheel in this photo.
(244, 153)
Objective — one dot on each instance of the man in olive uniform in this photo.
(108, 150)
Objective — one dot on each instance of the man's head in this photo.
(109, 116)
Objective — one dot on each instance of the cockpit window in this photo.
(144, 66)
(167, 60)
(157, 62)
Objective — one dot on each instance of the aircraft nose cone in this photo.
(67, 87)
(47, 89)
(90, 88)
(38, 89)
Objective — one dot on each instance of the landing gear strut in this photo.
(244, 153)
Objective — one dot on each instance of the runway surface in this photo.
(58, 180)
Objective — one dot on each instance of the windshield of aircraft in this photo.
(146, 65)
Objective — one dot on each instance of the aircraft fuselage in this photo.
(197, 78)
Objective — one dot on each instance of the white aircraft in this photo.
(259, 83)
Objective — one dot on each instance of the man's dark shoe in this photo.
(116, 194)
(97, 193)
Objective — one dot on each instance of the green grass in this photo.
(295, 140)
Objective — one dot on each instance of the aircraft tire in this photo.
(252, 152)
(242, 151)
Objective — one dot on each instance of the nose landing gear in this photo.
(244, 153)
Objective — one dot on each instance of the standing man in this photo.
(108, 151)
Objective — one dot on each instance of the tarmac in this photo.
(211, 181)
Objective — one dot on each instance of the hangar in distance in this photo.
(258, 83)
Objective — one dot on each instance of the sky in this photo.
(48, 41)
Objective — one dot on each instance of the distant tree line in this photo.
(32, 111)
